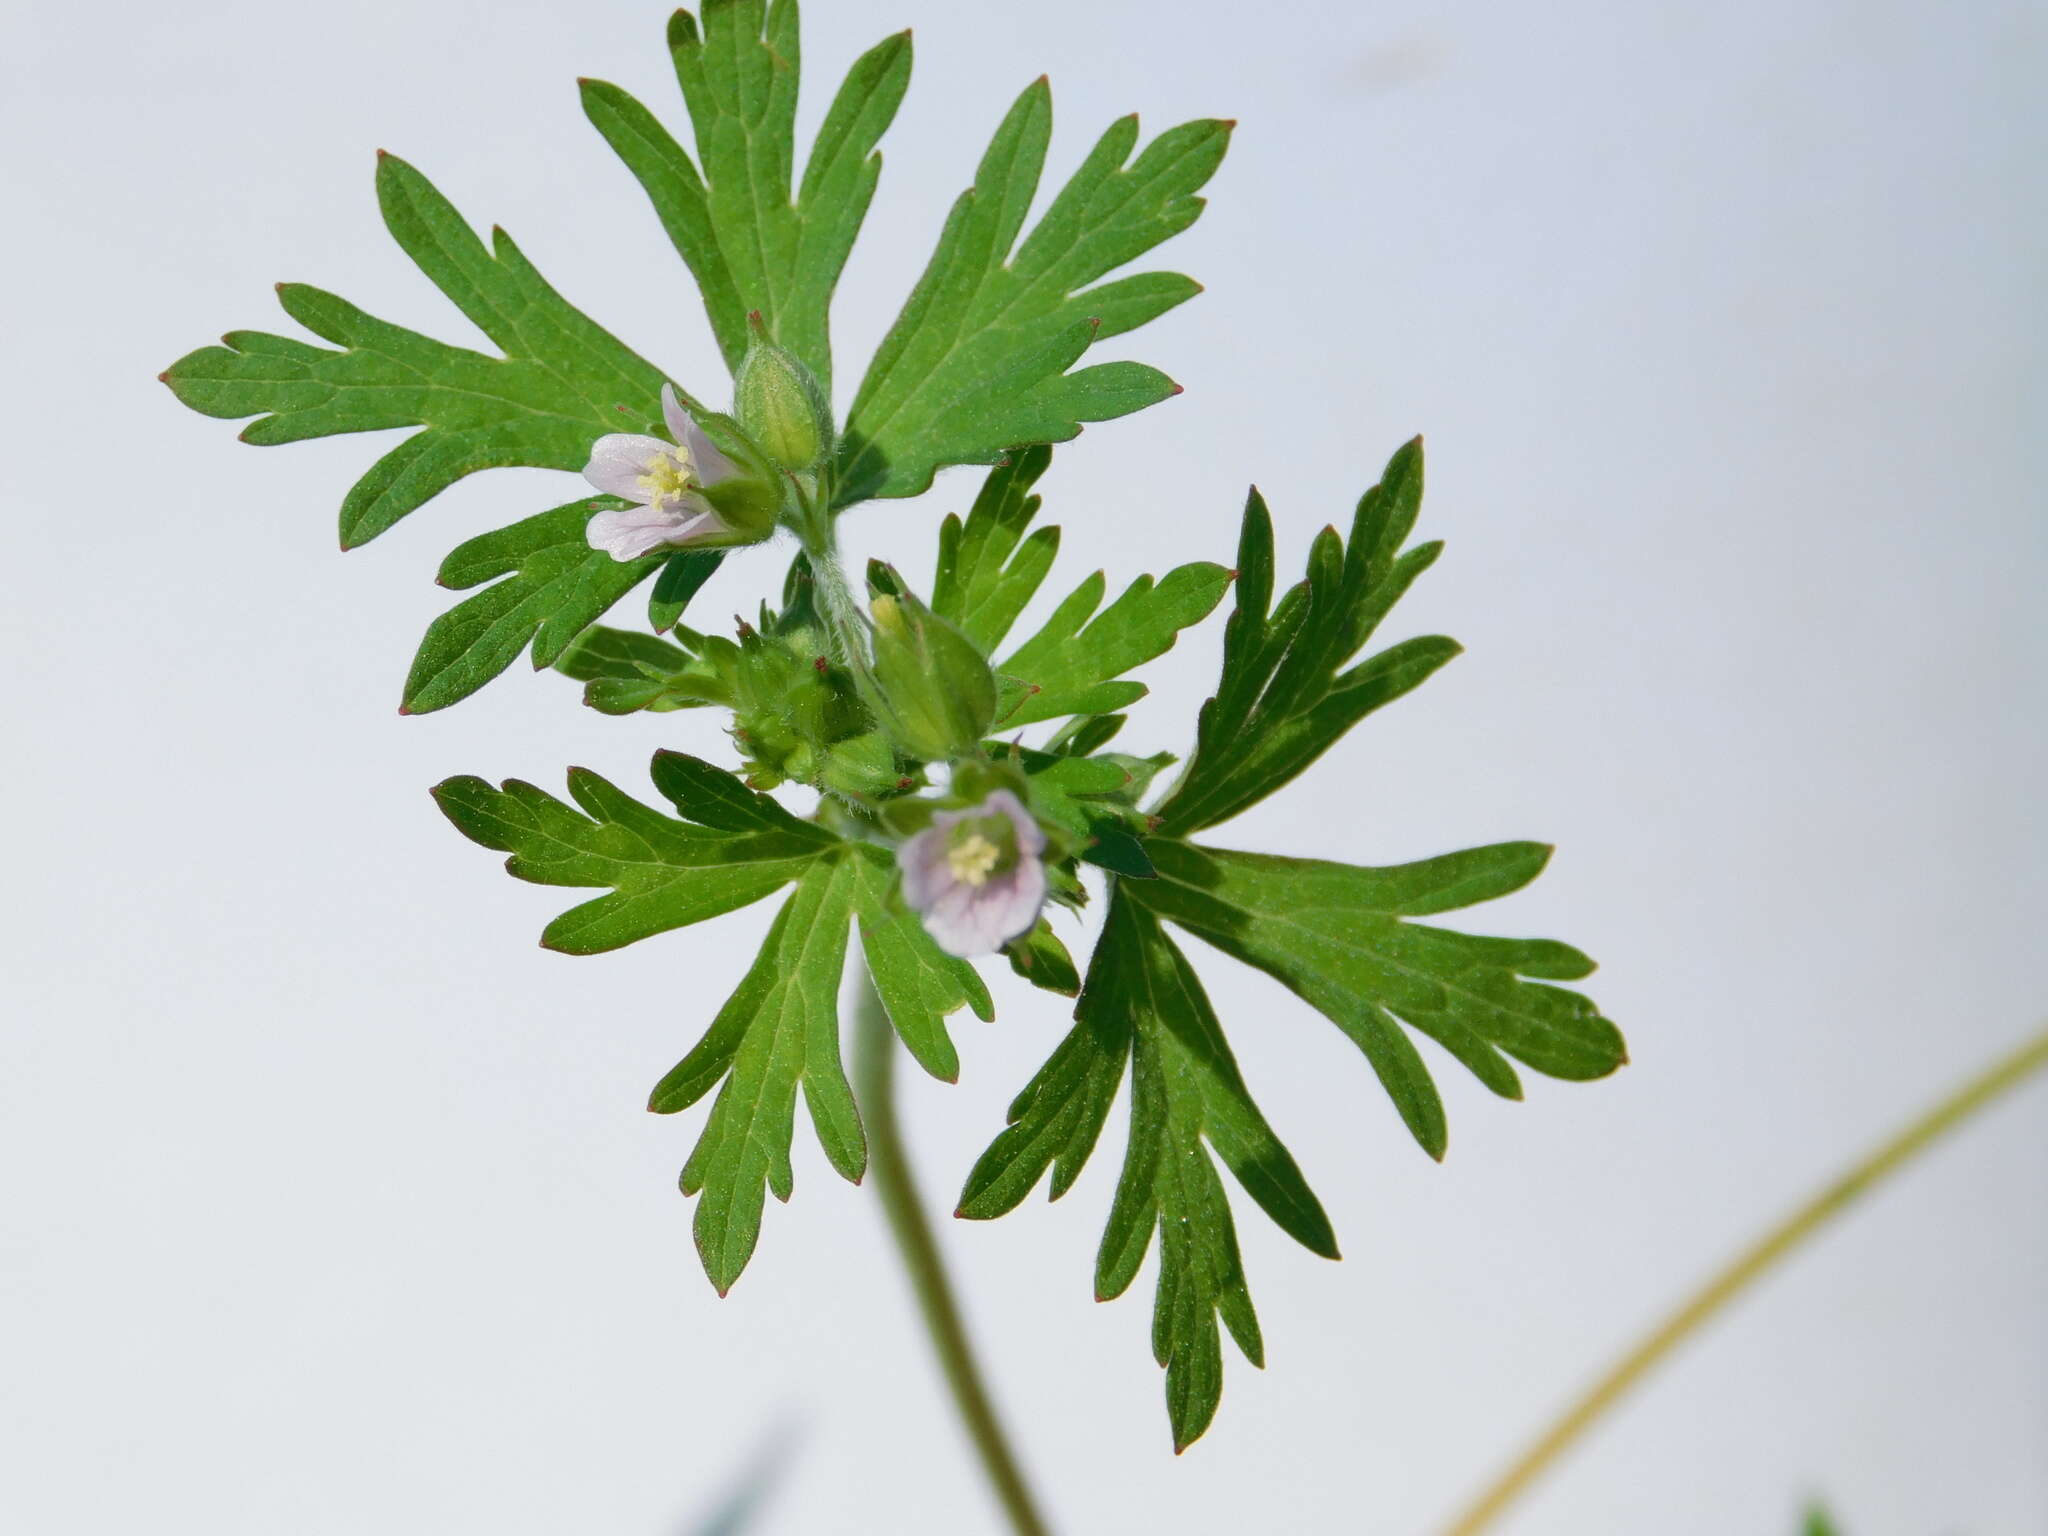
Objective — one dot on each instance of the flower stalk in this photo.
(874, 1072)
(1749, 1266)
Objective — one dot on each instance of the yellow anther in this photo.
(974, 859)
(668, 476)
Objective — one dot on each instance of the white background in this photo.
(329, 1204)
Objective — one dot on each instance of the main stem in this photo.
(874, 1071)
(1747, 1267)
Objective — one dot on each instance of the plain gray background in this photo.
(329, 1202)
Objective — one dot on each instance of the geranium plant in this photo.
(922, 786)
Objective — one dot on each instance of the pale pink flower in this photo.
(974, 875)
(664, 478)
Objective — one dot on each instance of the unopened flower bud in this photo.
(779, 402)
(937, 696)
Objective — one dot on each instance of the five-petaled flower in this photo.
(974, 875)
(666, 479)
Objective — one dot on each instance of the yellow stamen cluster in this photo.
(668, 477)
(973, 859)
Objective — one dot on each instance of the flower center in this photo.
(974, 859)
(668, 477)
(981, 849)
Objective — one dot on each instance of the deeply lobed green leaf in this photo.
(987, 569)
(1341, 938)
(555, 586)
(1143, 1003)
(1285, 698)
(736, 847)
(1075, 664)
(778, 1031)
(753, 245)
(978, 362)
(563, 380)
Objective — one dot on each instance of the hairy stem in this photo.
(1745, 1269)
(874, 1071)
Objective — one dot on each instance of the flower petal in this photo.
(700, 520)
(619, 459)
(922, 860)
(627, 533)
(712, 464)
(673, 413)
(967, 921)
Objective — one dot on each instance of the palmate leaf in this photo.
(1341, 938)
(978, 361)
(749, 244)
(1074, 665)
(624, 671)
(736, 847)
(1143, 1003)
(1284, 698)
(985, 574)
(555, 586)
(780, 1032)
(988, 570)
(562, 382)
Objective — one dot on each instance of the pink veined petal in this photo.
(922, 860)
(1012, 903)
(627, 533)
(619, 459)
(673, 413)
(699, 520)
(712, 464)
(968, 921)
(956, 924)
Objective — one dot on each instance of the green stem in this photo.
(874, 1070)
(1745, 1269)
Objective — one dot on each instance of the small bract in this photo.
(975, 876)
(667, 479)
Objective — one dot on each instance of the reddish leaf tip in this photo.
(383, 155)
(164, 377)
(1179, 389)
(405, 709)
